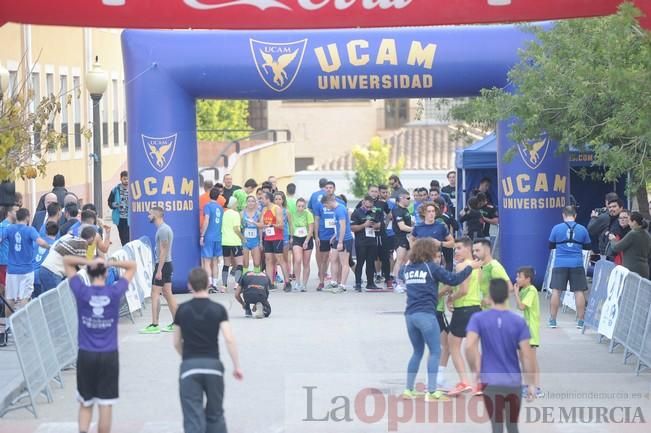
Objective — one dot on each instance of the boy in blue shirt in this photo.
(20, 264)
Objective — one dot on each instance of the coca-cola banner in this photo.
(298, 14)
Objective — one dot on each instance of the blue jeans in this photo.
(48, 279)
(423, 328)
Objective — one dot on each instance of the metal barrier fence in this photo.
(619, 304)
(45, 330)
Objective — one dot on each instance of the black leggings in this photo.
(365, 254)
(384, 251)
(503, 407)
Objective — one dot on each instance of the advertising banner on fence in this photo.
(598, 292)
(298, 14)
(610, 308)
(140, 287)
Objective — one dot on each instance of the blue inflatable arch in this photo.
(167, 71)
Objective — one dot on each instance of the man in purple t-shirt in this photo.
(98, 309)
(502, 334)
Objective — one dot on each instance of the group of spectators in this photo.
(33, 247)
(621, 236)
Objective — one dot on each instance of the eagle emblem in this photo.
(278, 63)
(159, 150)
(533, 154)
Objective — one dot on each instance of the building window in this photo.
(76, 106)
(396, 113)
(13, 83)
(49, 88)
(36, 99)
(63, 95)
(105, 120)
(116, 115)
(258, 118)
(301, 164)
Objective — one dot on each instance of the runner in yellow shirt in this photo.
(463, 302)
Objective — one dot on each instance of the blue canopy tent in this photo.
(479, 160)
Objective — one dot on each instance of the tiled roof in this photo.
(423, 148)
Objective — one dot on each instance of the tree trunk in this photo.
(643, 201)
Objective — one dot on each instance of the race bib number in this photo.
(370, 232)
(329, 223)
(270, 231)
(250, 233)
(300, 232)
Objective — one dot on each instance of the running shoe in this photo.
(399, 288)
(411, 394)
(524, 391)
(168, 328)
(248, 314)
(151, 329)
(539, 392)
(379, 279)
(373, 287)
(459, 388)
(319, 288)
(551, 323)
(303, 289)
(357, 287)
(288, 287)
(580, 324)
(389, 284)
(259, 310)
(436, 396)
(3, 339)
(212, 289)
(341, 288)
(478, 390)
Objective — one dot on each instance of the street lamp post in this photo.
(96, 82)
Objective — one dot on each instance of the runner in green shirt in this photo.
(291, 200)
(526, 296)
(232, 238)
(302, 243)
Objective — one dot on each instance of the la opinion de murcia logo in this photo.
(263, 5)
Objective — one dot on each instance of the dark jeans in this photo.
(123, 230)
(503, 407)
(48, 279)
(365, 254)
(199, 377)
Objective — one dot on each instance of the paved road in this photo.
(319, 351)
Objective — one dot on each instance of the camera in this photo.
(600, 211)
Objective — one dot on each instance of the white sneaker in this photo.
(340, 288)
(259, 310)
(400, 288)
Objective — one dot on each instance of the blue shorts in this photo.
(211, 249)
(252, 243)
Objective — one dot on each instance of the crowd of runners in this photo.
(264, 238)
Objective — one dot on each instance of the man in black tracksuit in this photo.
(365, 224)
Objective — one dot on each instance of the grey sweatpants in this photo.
(199, 377)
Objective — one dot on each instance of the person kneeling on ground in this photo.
(196, 338)
(254, 290)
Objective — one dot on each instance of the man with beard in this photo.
(162, 281)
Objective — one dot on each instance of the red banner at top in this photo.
(299, 14)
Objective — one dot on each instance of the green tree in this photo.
(222, 114)
(586, 83)
(371, 166)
